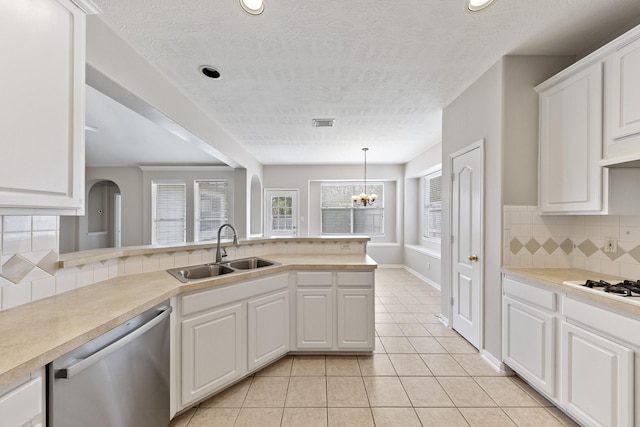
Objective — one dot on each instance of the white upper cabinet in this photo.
(590, 121)
(42, 105)
(571, 178)
(622, 103)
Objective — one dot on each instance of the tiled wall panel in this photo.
(29, 252)
(533, 240)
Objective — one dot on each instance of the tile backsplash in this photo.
(578, 241)
(28, 258)
(29, 252)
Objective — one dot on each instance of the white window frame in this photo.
(429, 206)
(356, 188)
(154, 213)
(224, 216)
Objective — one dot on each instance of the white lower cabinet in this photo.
(597, 359)
(355, 317)
(314, 316)
(230, 331)
(529, 343)
(227, 332)
(597, 378)
(22, 402)
(212, 351)
(334, 311)
(584, 357)
(268, 329)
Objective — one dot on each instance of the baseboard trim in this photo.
(495, 363)
(423, 278)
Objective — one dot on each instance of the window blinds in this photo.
(211, 210)
(339, 216)
(169, 213)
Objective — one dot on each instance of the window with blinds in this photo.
(169, 212)
(340, 216)
(211, 209)
(433, 206)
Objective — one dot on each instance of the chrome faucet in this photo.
(223, 253)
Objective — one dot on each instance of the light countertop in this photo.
(35, 334)
(553, 278)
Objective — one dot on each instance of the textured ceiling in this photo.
(383, 69)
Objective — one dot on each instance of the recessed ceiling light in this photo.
(210, 72)
(253, 7)
(476, 5)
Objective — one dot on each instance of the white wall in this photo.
(477, 114)
(385, 250)
(114, 68)
(188, 175)
(420, 255)
(129, 180)
(501, 108)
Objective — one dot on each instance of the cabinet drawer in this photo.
(314, 278)
(359, 278)
(529, 293)
(204, 300)
(613, 324)
(21, 404)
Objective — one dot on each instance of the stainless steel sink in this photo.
(195, 272)
(185, 274)
(249, 263)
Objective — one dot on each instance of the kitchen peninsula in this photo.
(335, 273)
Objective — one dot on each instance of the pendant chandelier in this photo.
(364, 199)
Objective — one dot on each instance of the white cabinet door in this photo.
(528, 341)
(597, 378)
(622, 102)
(355, 319)
(213, 351)
(22, 403)
(570, 178)
(314, 318)
(268, 329)
(42, 105)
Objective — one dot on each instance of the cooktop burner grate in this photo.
(626, 288)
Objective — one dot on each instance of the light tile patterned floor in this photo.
(421, 374)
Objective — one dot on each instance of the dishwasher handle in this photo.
(83, 364)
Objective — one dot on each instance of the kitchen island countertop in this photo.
(34, 334)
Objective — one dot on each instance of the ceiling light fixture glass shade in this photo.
(253, 7)
(477, 5)
(364, 199)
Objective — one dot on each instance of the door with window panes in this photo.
(281, 209)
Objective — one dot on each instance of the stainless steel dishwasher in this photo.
(120, 379)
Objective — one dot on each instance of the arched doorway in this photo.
(100, 226)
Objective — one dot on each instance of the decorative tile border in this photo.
(533, 240)
(587, 247)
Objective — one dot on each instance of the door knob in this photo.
(473, 258)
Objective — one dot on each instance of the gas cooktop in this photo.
(624, 289)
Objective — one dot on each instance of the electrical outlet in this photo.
(610, 245)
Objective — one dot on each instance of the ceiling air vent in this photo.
(323, 123)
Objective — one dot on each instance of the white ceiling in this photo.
(383, 69)
(125, 138)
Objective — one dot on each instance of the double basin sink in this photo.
(195, 272)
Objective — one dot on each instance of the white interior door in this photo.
(466, 245)
(281, 211)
